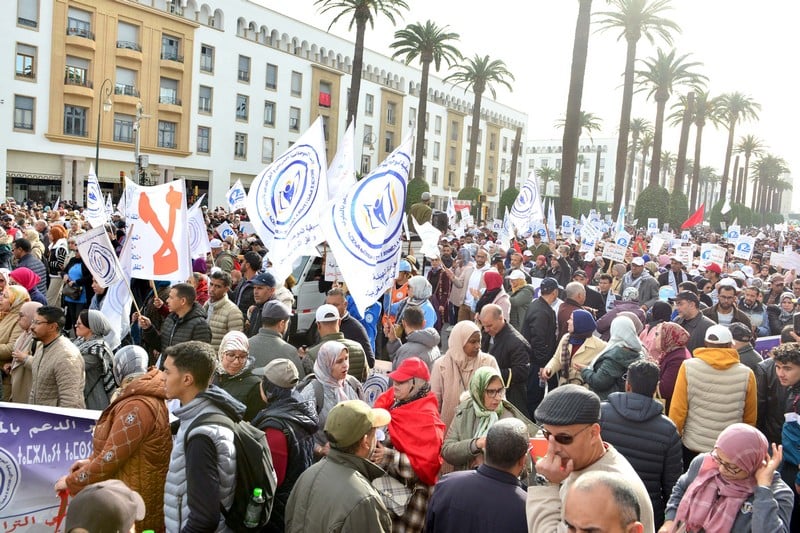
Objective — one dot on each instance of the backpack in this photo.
(319, 393)
(253, 469)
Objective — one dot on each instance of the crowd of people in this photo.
(639, 377)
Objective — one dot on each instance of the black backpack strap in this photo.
(319, 394)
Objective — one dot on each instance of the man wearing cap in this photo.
(539, 329)
(222, 314)
(336, 493)
(743, 343)
(725, 311)
(521, 297)
(268, 343)
(691, 319)
(674, 276)
(490, 497)
(646, 284)
(776, 289)
(223, 258)
(421, 211)
(574, 298)
(263, 291)
(539, 248)
(539, 268)
(713, 390)
(328, 327)
(243, 294)
(713, 274)
(289, 425)
(350, 327)
(570, 418)
(105, 507)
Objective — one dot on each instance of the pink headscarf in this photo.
(25, 277)
(712, 502)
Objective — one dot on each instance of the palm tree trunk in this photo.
(728, 152)
(572, 123)
(421, 122)
(355, 76)
(628, 184)
(745, 178)
(596, 177)
(624, 127)
(641, 173)
(473, 138)
(512, 182)
(683, 144)
(754, 199)
(698, 142)
(735, 182)
(655, 160)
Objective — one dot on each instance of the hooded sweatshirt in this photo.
(423, 343)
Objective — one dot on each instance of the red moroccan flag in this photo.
(696, 218)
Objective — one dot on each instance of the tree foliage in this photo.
(653, 202)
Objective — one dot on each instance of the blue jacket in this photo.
(369, 319)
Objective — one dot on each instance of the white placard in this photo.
(332, 272)
(734, 232)
(652, 226)
(614, 252)
(656, 243)
(623, 238)
(744, 247)
(567, 224)
(684, 254)
(712, 253)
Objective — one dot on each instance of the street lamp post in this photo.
(136, 147)
(105, 97)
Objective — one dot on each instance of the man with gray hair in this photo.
(489, 498)
(602, 501)
(574, 298)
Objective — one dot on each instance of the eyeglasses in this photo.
(494, 393)
(39, 322)
(563, 438)
(730, 467)
(233, 357)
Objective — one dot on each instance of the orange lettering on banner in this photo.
(165, 260)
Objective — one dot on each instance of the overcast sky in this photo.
(744, 45)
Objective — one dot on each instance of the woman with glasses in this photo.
(734, 488)
(466, 439)
(781, 315)
(91, 327)
(235, 372)
(578, 345)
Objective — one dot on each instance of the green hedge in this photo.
(507, 199)
(678, 210)
(472, 194)
(416, 187)
(653, 202)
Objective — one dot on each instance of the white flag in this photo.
(363, 228)
(198, 236)
(726, 207)
(527, 207)
(237, 197)
(109, 206)
(551, 222)
(116, 305)
(429, 236)
(224, 230)
(451, 213)
(342, 172)
(287, 197)
(95, 211)
(160, 231)
(55, 204)
(99, 256)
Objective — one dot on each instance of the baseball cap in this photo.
(215, 243)
(516, 274)
(777, 277)
(413, 367)
(105, 507)
(527, 253)
(740, 332)
(275, 310)
(281, 372)
(638, 261)
(350, 420)
(729, 282)
(537, 235)
(676, 259)
(548, 285)
(497, 258)
(327, 313)
(265, 278)
(425, 196)
(717, 334)
(713, 267)
(405, 266)
(738, 274)
(688, 296)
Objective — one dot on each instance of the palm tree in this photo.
(638, 126)
(581, 161)
(479, 73)
(749, 145)
(709, 178)
(546, 174)
(667, 166)
(734, 106)
(572, 125)
(589, 122)
(361, 13)
(766, 168)
(645, 143)
(431, 44)
(780, 186)
(633, 19)
(659, 77)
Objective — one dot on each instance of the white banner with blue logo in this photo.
(342, 172)
(527, 207)
(198, 236)
(95, 211)
(237, 196)
(99, 256)
(363, 228)
(287, 197)
(744, 247)
(451, 213)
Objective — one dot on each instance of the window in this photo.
(128, 36)
(26, 61)
(23, 112)
(203, 140)
(368, 137)
(436, 150)
(325, 90)
(272, 76)
(79, 23)
(166, 134)
(369, 105)
(242, 107)
(28, 13)
(389, 141)
(412, 116)
(492, 141)
(437, 125)
(244, 68)
(491, 163)
(585, 191)
(168, 92)
(454, 131)
(125, 83)
(326, 127)
(435, 176)
(391, 113)
(171, 48)
(297, 84)
(294, 118)
(267, 150)
(206, 58)
(76, 72)
(123, 128)
(240, 146)
(531, 163)
(427, 120)
(558, 164)
(366, 164)
(452, 159)
(505, 144)
(450, 176)
(205, 100)
(424, 148)
(75, 120)
(269, 113)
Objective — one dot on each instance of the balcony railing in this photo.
(129, 45)
(172, 100)
(81, 82)
(80, 29)
(22, 21)
(76, 132)
(244, 75)
(23, 125)
(171, 56)
(126, 90)
(124, 138)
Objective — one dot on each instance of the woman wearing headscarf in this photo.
(578, 345)
(419, 294)
(98, 296)
(56, 259)
(330, 374)
(781, 315)
(605, 374)
(453, 371)
(91, 327)
(37, 247)
(672, 352)
(132, 440)
(659, 313)
(466, 438)
(235, 372)
(410, 452)
(494, 294)
(28, 279)
(734, 488)
(11, 299)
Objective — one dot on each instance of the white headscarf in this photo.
(623, 334)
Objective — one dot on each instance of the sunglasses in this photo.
(563, 438)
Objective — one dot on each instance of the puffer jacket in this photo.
(244, 386)
(132, 443)
(423, 343)
(520, 301)
(223, 316)
(176, 498)
(636, 426)
(190, 327)
(604, 376)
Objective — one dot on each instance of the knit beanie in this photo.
(567, 405)
(583, 322)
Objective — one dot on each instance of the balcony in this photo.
(21, 21)
(80, 34)
(129, 45)
(126, 90)
(169, 100)
(23, 125)
(170, 59)
(79, 81)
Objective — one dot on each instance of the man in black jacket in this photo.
(512, 352)
(539, 329)
(634, 423)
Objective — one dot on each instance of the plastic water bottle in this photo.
(542, 383)
(252, 515)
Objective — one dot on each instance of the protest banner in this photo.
(198, 236)
(332, 272)
(712, 253)
(224, 230)
(236, 196)
(652, 226)
(614, 252)
(429, 236)
(684, 254)
(734, 232)
(567, 224)
(95, 212)
(451, 212)
(656, 244)
(764, 345)
(744, 247)
(623, 238)
(527, 207)
(99, 256)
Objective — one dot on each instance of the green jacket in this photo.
(358, 361)
(336, 495)
(605, 375)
